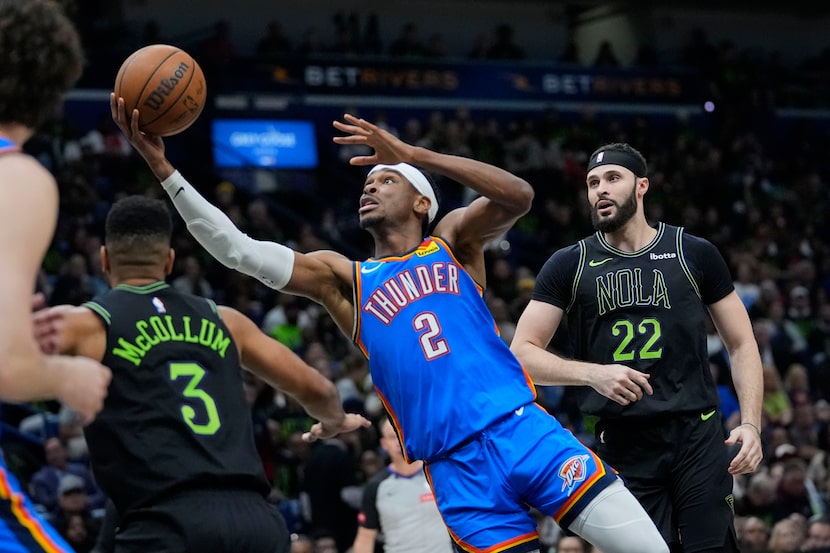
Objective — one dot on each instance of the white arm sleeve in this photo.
(268, 262)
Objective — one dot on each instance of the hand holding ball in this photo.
(166, 86)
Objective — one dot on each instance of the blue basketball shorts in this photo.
(484, 487)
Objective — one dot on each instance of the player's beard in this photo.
(625, 211)
(370, 221)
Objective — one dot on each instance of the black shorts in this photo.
(676, 466)
(219, 521)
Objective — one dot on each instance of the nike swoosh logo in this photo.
(366, 270)
(179, 191)
(593, 263)
(519, 411)
(707, 416)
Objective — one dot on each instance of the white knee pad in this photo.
(615, 522)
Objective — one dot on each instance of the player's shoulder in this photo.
(569, 253)
(23, 166)
(692, 243)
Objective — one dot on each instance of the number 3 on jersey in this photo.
(647, 327)
(195, 373)
(431, 344)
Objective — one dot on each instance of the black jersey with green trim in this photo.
(644, 309)
(175, 416)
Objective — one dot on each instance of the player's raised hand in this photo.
(151, 147)
(389, 149)
(82, 384)
(621, 384)
(320, 431)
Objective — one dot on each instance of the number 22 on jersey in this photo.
(627, 330)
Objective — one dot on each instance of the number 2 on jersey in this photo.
(192, 391)
(432, 346)
(647, 327)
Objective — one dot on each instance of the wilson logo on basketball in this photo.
(156, 98)
(573, 471)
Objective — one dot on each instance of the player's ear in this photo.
(642, 185)
(105, 260)
(168, 265)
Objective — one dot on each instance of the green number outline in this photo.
(192, 391)
(626, 329)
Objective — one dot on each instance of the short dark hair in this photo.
(138, 231)
(624, 148)
(425, 223)
(41, 56)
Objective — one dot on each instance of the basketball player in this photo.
(398, 504)
(173, 447)
(637, 299)
(458, 399)
(41, 58)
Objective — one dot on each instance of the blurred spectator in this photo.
(408, 43)
(746, 285)
(727, 400)
(372, 43)
(330, 468)
(606, 57)
(78, 532)
(795, 493)
(753, 534)
(217, 54)
(758, 498)
(776, 405)
(787, 536)
(73, 508)
(74, 285)
(481, 46)
(436, 46)
(311, 43)
(46, 483)
(300, 543)
(192, 280)
(274, 43)
(818, 535)
(504, 321)
(504, 47)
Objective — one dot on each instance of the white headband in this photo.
(418, 180)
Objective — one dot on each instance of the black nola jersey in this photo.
(175, 416)
(644, 309)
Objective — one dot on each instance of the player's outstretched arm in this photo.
(504, 196)
(284, 370)
(319, 277)
(534, 331)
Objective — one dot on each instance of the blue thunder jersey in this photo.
(436, 358)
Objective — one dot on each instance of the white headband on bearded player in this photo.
(418, 180)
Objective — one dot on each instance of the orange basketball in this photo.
(166, 85)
